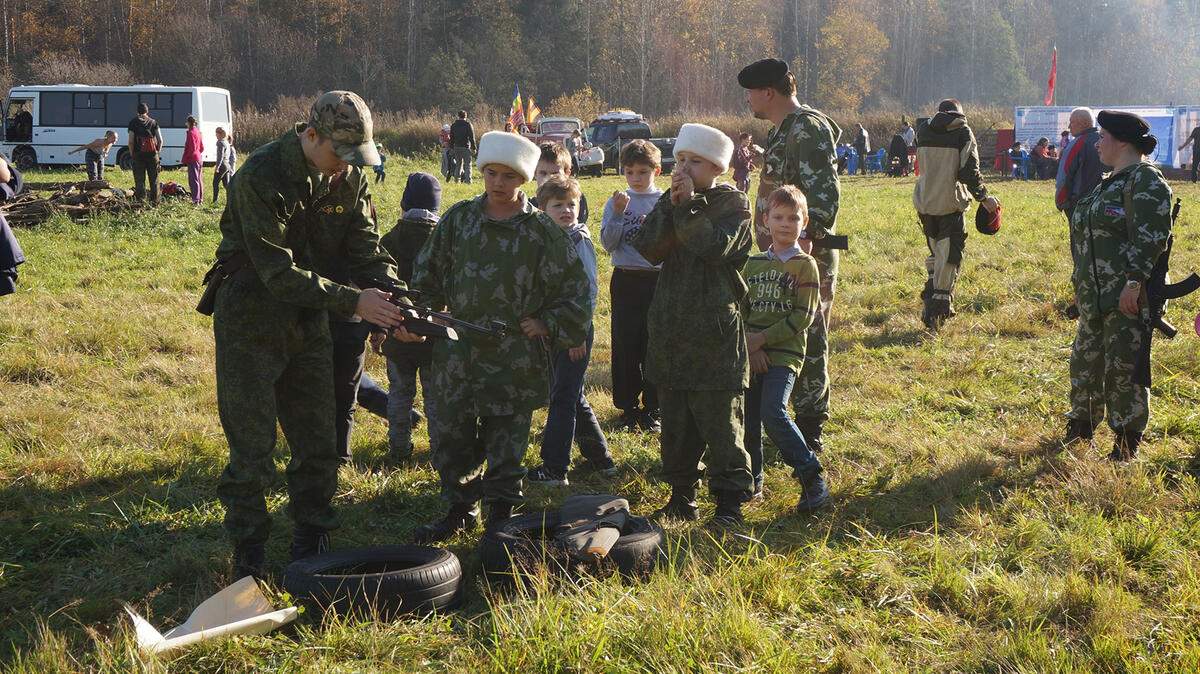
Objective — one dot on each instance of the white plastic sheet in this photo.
(240, 608)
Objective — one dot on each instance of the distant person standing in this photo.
(380, 171)
(1194, 141)
(862, 145)
(145, 141)
(462, 148)
(223, 171)
(96, 153)
(193, 159)
(444, 142)
(743, 161)
(908, 133)
(1080, 168)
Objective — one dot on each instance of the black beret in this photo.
(1129, 128)
(763, 74)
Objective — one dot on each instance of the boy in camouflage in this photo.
(696, 356)
(784, 297)
(495, 258)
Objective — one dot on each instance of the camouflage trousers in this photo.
(274, 364)
(946, 236)
(810, 396)
(1102, 361)
(708, 425)
(466, 442)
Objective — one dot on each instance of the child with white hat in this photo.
(492, 259)
(697, 357)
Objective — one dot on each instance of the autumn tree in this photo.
(851, 48)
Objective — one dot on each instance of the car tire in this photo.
(520, 544)
(387, 580)
(25, 158)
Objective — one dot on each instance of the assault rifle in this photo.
(1159, 289)
(428, 323)
(832, 242)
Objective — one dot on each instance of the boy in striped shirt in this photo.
(783, 299)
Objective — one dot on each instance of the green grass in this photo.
(961, 537)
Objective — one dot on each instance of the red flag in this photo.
(1053, 78)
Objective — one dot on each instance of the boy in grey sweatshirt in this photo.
(632, 285)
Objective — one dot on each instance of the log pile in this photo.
(79, 201)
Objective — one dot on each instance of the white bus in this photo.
(42, 124)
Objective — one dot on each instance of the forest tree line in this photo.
(656, 56)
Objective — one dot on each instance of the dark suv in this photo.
(612, 130)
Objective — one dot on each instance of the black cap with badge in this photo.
(763, 74)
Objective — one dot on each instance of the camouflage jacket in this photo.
(802, 151)
(697, 338)
(403, 242)
(1105, 257)
(486, 270)
(301, 230)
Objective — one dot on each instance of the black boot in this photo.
(498, 513)
(729, 509)
(1078, 429)
(810, 428)
(307, 541)
(936, 312)
(1125, 445)
(248, 560)
(462, 517)
(815, 491)
(682, 506)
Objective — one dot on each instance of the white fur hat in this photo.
(514, 151)
(707, 142)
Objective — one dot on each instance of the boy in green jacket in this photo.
(784, 298)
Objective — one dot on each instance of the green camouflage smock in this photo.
(1104, 256)
(1107, 341)
(486, 270)
(697, 338)
(274, 354)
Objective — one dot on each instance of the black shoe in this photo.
(544, 476)
(307, 542)
(729, 510)
(682, 506)
(248, 560)
(462, 517)
(628, 420)
(415, 417)
(815, 491)
(498, 513)
(649, 422)
(1078, 429)
(936, 313)
(1125, 445)
(810, 428)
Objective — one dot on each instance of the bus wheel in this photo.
(25, 158)
(124, 160)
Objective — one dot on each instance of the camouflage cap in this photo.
(343, 117)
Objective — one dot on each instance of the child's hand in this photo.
(577, 353)
(805, 246)
(755, 341)
(620, 201)
(534, 328)
(682, 187)
(759, 363)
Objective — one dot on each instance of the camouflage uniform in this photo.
(1107, 340)
(485, 389)
(802, 151)
(696, 354)
(271, 323)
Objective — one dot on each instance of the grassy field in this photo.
(961, 536)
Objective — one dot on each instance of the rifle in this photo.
(1159, 289)
(832, 242)
(421, 321)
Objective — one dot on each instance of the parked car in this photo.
(612, 130)
(554, 129)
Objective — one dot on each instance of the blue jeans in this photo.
(766, 407)
(401, 396)
(571, 417)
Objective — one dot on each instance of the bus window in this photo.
(121, 108)
(183, 108)
(160, 108)
(18, 125)
(56, 108)
(214, 107)
(89, 110)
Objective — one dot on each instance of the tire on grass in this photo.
(391, 580)
(526, 542)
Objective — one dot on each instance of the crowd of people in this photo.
(720, 304)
